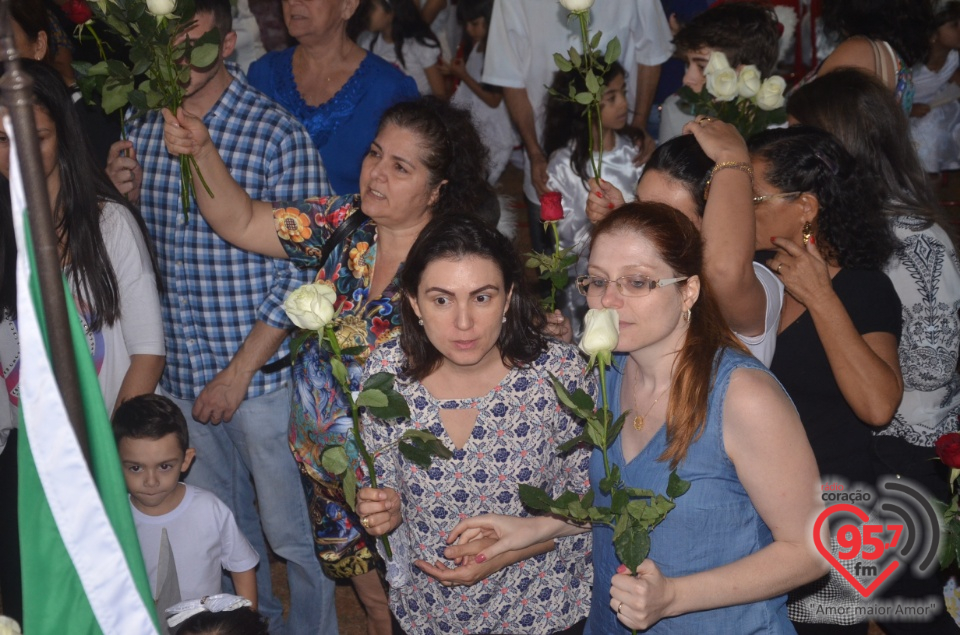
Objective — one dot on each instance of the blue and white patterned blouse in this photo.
(519, 425)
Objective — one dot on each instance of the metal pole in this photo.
(16, 92)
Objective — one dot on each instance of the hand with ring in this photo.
(648, 594)
(379, 510)
(803, 271)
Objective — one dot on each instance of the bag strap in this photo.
(343, 231)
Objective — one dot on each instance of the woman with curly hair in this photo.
(840, 324)
(426, 161)
(885, 38)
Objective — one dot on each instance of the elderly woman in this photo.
(426, 160)
(337, 90)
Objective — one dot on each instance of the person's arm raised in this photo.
(236, 218)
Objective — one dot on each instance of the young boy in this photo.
(152, 440)
(745, 32)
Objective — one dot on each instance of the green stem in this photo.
(331, 337)
(594, 108)
(552, 302)
(604, 410)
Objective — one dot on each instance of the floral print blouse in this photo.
(518, 428)
(320, 414)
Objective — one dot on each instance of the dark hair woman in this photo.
(699, 404)
(426, 161)
(924, 269)
(397, 33)
(474, 366)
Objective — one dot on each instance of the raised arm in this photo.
(866, 367)
(765, 440)
(238, 219)
(521, 112)
(728, 229)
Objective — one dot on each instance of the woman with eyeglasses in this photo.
(697, 402)
(837, 346)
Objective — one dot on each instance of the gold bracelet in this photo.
(737, 165)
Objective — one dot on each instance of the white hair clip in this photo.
(212, 603)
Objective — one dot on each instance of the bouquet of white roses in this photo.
(744, 99)
(161, 56)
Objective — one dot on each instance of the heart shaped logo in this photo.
(864, 517)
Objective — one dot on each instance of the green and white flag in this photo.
(83, 572)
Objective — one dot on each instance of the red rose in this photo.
(948, 449)
(77, 11)
(551, 207)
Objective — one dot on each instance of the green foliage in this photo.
(743, 113)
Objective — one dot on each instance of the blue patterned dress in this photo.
(320, 414)
(519, 425)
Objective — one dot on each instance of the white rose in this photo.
(577, 6)
(311, 306)
(748, 83)
(8, 626)
(601, 332)
(722, 84)
(770, 95)
(717, 62)
(161, 8)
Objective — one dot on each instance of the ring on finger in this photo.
(365, 521)
(620, 606)
(779, 267)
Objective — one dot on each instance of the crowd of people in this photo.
(786, 308)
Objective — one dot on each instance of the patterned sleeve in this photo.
(377, 433)
(304, 226)
(571, 369)
(293, 170)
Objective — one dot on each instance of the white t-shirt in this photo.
(205, 539)
(138, 331)
(763, 346)
(417, 57)
(525, 34)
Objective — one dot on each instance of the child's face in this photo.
(949, 34)
(696, 61)
(152, 468)
(380, 19)
(477, 29)
(613, 104)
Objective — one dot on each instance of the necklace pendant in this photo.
(638, 423)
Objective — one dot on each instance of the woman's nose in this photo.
(611, 297)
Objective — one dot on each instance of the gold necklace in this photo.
(639, 421)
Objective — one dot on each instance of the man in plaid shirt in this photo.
(224, 323)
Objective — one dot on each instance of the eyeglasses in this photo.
(766, 197)
(635, 286)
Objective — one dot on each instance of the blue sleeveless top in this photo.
(713, 524)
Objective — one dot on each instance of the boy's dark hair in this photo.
(469, 10)
(241, 621)
(222, 14)
(150, 417)
(746, 32)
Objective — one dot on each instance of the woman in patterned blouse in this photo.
(427, 160)
(475, 368)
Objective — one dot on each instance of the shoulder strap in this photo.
(883, 61)
(343, 231)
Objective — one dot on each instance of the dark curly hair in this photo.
(451, 150)
(241, 621)
(150, 417)
(521, 338)
(746, 32)
(566, 121)
(850, 228)
(905, 24)
(683, 160)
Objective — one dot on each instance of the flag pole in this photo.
(16, 93)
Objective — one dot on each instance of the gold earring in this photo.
(807, 232)
(687, 315)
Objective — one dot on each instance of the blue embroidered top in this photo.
(343, 127)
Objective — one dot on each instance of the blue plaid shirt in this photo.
(215, 292)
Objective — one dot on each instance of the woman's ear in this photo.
(348, 8)
(41, 46)
(435, 195)
(414, 305)
(690, 292)
(809, 206)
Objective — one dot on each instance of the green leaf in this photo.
(571, 444)
(609, 483)
(612, 53)
(427, 441)
(632, 547)
(114, 96)
(415, 454)
(380, 381)
(372, 397)
(350, 488)
(636, 492)
(535, 498)
(300, 336)
(677, 486)
(396, 407)
(562, 63)
(574, 55)
(204, 55)
(584, 99)
(593, 86)
(595, 432)
(138, 100)
(618, 501)
(339, 371)
(615, 429)
(576, 404)
(100, 68)
(353, 351)
(595, 41)
(334, 459)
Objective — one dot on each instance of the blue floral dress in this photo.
(320, 414)
(519, 425)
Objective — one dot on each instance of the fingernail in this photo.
(773, 239)
(599, 194)
(623, 569)
(480, 558)
(813, 239)
(610, 206)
